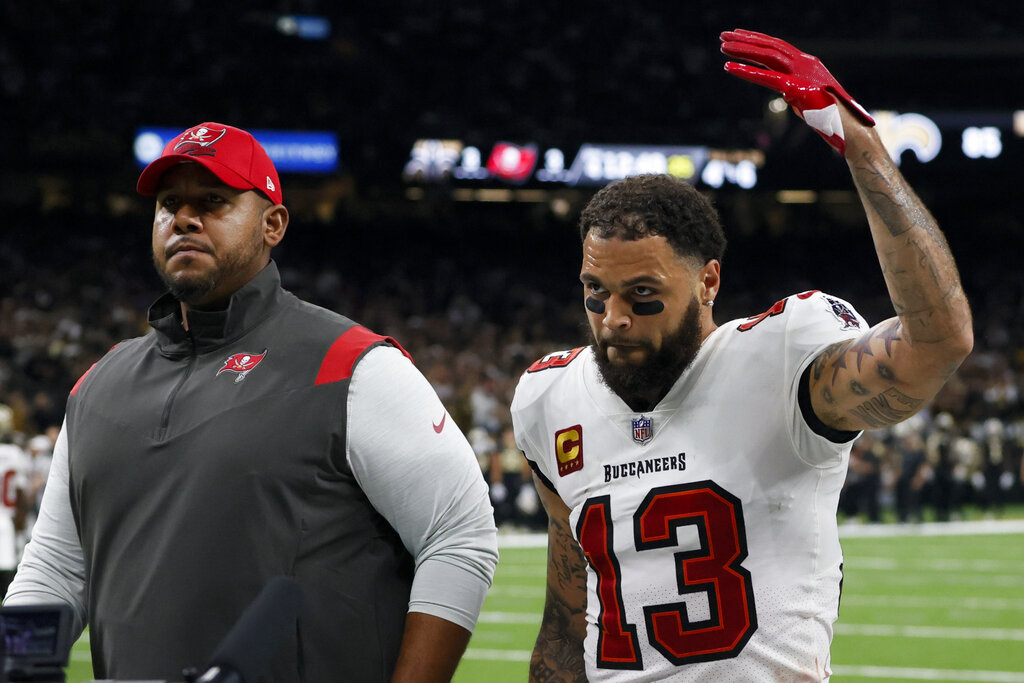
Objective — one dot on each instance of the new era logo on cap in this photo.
(230, 153)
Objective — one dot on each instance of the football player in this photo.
(15, 466)
(691, 471)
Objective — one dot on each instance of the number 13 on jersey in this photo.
(713, 569)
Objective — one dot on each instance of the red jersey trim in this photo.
(558, 359)
(74, 389)
(345, 351)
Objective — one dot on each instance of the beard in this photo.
(193, 288)
(655, 375)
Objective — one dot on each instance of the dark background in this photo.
(77, 79)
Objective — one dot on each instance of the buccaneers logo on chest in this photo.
(242, 364)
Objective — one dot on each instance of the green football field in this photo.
(933, 603)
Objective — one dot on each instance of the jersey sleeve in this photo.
(52, 568)
(529, 417)
(814, 322)
(419, 472)
(554, 380)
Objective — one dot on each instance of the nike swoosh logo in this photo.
(440, 425)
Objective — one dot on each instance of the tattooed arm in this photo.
(895, 368)
(558, 653)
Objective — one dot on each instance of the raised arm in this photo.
(896, 367)
(558, 652)
(892, 370)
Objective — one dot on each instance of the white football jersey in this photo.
(709, 523)
(14, 468)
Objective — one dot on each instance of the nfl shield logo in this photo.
(642, 432)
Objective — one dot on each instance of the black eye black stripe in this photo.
(648, 307)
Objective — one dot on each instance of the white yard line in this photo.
(906, 576)
(509, 618)
(989, 526)
(941, 632)
(521, 540)
(935, 565)
(497, 655)
(993, 526)
(898, 673)
(881, 630)
(922, 602)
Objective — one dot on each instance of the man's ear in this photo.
(275, 223)
(709, 281)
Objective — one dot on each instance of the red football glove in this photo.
(803, 80)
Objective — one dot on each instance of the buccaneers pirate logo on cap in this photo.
(242, 364)
(199, 140)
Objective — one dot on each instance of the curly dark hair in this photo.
(656, 204)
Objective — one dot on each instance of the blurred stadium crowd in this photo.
(475, 298)
(477, 292)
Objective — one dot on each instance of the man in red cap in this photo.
(253, 435)
(205, 156)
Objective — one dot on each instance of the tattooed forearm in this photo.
(557, 655)
(889, 407)
(888, 373)
(919, 270)
(896, 204)
(570, 565)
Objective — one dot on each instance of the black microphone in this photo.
(246, 651)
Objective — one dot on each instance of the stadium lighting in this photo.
(777, 105)
(305, 26)
(796, 196)
(981, 142)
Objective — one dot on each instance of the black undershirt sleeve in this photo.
(540, 475)
(812, 420)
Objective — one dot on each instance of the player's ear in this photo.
(275, 223)
(708, 281)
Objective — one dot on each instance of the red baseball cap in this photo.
(231, 154)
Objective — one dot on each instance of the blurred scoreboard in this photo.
(508, 163)
(965, 146)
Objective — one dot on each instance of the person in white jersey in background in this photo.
(15, 469)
